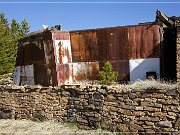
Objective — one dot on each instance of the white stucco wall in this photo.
(139, 67)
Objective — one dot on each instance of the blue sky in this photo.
(82, 15)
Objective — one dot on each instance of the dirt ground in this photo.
(27, 127)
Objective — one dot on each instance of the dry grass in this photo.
(27, 127)
(147, 84)
(5, 79)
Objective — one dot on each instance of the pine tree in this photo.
(24, 26)
(107, 75)
(9, 36)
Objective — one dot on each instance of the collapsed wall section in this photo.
(35, 62)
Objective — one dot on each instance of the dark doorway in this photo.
(168, 55)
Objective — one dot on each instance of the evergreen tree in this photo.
(15, 27)
(107, 75)
(24, 26)
(9, 36)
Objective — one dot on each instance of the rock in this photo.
(145, 103)
(139, 108)
(97, 95)
(177, 124)
(164, 124)
(171, 117)
(6, 114)
(114, 109)
(149, 118)
(122, 127)
(151, 109)
(132, 95)
(138, 113)
(40, 116)
(150, 131)
(15, 87)
(102, 91)
(105, 123)
(172, 114)
(176, 133)
(158, 105)
(149, 123)
(157, 95)
(159, 114)
(105, 87)
(171, 92)
(128, 107)
(135, 126)
(124, 111)
(2, 87)
(111, 98)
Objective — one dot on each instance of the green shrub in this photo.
(107, 75)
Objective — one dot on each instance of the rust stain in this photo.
(61, 35)
(65, 74)
(144, 43)
(85, 71)
(84, 46)
(64, 52)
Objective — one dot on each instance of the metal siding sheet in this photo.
(91, 48)
(64, 73)
(144, 43)
(122, 41)
(75, 46)
(134, 36)
(16, 77)
(85, 71)
(40, 75)
(50, 62)
(147, 42)
(61, 35)
(84, 46)
(102, 40)
(65, 55)
(27, 75)
(113, 44)
(156, 42)
(63, 58)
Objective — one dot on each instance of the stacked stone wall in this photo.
(135, 110)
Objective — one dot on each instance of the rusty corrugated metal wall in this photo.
(117, 45)
(60, 57)
(84, 46)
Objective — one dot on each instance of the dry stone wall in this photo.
(153, 110)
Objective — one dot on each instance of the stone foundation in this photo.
(153, 110)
